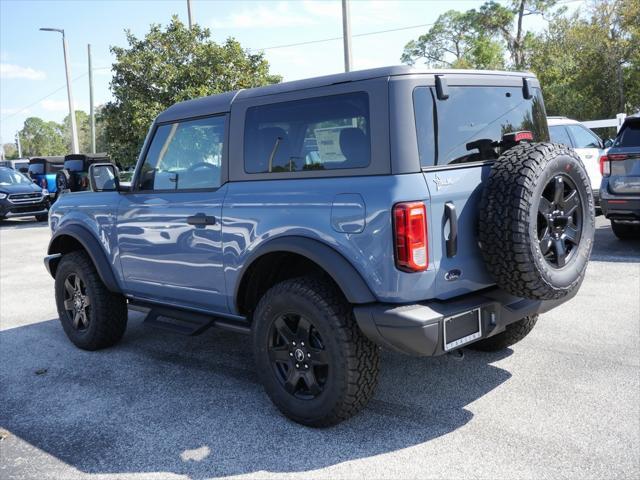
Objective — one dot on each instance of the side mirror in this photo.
(103, 177)
(608, 143)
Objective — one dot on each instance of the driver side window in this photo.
(184, 155)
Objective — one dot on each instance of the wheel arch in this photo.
(74, 237)
(313, 254)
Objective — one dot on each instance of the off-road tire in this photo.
(354, 362)
(108, 310)
(513, 334)
(625, 231)
(508, 221)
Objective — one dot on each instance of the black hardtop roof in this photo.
(222, 102)
(52, 159)
(86, 156)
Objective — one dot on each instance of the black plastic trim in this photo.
(93, 249)
(341, 271)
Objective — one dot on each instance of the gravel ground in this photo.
(563, 403)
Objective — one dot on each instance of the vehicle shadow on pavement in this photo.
(160, 402)
(608, 248)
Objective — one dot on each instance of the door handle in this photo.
(201, 220)
(588, 157)
(452, 217)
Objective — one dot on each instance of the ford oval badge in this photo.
(453, 275)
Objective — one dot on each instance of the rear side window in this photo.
(473, 119)
(559, 134)
(630, 136)
(184, 155)
(323, 133)
(584, 138)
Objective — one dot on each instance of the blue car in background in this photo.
(43, 170)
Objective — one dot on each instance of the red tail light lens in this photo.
(410, 230)
(618, 156)
(605, 166)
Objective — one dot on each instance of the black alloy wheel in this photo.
(298, 356)
(559, 220)
(77, 304)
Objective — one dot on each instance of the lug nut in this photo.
(309, 355)
(306, 366)
(290, 354)
(294, 344)
(302, 344)
(297, 365)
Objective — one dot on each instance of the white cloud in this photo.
(264, 16)
(55, 105)
(9, 70)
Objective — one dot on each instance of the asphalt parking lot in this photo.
(563, 403)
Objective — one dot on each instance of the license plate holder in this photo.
(461, 329)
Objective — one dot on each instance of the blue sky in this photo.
(32, 62)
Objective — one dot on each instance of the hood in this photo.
(20, 188)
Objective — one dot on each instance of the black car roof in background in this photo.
(87, 156)
(222, 102)
(52, 159)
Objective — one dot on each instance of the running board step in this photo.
(187, 322)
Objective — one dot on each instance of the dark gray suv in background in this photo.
(620, 189)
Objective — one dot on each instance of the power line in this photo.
(50, 94)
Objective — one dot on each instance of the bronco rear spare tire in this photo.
(537, 221)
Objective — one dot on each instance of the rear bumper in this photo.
(619, 207)
(418, 329)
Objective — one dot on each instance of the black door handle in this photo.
(452, 217)
(201, 220)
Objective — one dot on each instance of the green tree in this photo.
(454, 41)
(39, 137)
(167, 66)
(84, 131)
(10, 151)
(588, 64)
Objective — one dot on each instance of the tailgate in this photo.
(455, 198)
(625, 174)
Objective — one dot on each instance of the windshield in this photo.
(11, 177)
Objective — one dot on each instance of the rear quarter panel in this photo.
(257, 211)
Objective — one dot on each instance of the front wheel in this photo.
(513, 333)
(315, 364)
(91, 315)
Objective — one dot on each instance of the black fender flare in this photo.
(353, 286)
(90, 244)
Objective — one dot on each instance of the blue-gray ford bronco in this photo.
(419, 211)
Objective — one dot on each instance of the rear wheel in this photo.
(91, 315)
(512, 334)
(314, 362)
(625, 231)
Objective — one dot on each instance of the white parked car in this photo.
(586, 144)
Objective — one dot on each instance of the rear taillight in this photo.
(605, 162)
(605, 166)
(410, 231)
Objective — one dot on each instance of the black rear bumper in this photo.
(418, 329)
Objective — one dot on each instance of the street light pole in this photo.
(18, 145)
(67, 67)
(189, 14)
(346, 35)
(92, 117)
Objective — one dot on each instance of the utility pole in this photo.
(189, 14)
(92, 118)
(67, 67)
(18, 145)
(346, 35)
